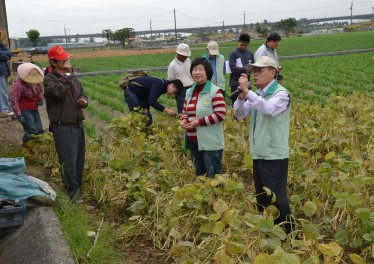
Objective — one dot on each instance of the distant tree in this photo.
(122, 35)
(33, 36)
(287, 25)
(262, 29)
(107, 34)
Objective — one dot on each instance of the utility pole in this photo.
(4, 23)
(244, 21)
(175, 28)
(351, 11)
(223, 30)
(66, 39)
(150, 25)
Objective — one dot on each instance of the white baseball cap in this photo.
(184, 50)
(213, 48)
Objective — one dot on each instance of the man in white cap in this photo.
(269, 108)
(5, 55)
(217, 61)
(179, 69)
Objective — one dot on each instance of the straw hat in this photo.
(30, 73)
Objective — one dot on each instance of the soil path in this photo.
(11, 131)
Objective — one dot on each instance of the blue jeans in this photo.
(207, 162)
(33, 124)
(134, 101)
(4, 94)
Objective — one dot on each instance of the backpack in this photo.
(131, 77)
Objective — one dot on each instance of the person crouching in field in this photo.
(144, 92)
(26, 97)
(203, 113)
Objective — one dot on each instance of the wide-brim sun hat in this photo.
(30, 73)
(184, 50)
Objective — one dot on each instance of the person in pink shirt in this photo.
(26, 97)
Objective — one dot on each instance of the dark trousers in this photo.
(180, 99)
(273, 174)
(206, 162)
(33, 124)
(134, 101)
(70, 148)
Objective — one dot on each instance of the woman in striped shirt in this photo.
(203, 114)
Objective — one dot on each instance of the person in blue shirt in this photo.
(217, 61)
(5, 55)
(144, 92)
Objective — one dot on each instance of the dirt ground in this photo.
(79, 54)
(11, 131)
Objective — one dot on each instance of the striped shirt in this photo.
(189, 111)
(25, 97)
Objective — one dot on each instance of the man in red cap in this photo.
(5, 55)
(65, 99)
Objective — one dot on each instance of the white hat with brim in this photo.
(30, 73)
(184, 50)
(264, 61)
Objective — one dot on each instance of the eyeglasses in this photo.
(258, 69)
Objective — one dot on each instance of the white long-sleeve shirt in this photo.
(274, 106)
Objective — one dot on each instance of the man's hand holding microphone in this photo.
(244, 87)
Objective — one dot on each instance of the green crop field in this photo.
(289, 46)
(145, 185)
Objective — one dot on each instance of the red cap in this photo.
(58, 53)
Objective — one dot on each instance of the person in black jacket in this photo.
(144, 92)
(65, 99)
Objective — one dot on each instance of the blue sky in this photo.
(51, 17)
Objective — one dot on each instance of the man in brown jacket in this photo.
(65, 99)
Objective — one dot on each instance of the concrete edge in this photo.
(38, 241)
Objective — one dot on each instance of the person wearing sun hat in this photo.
(5, 55)
(217, 61)
(269, 107)
(179, 69)
(65, 100)
(26, 96)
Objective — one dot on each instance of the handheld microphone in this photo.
(238, 91)
(232, 95)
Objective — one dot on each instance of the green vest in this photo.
(269, 135)
(220, 64)
(208, 137)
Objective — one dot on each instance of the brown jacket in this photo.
(62, 94)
